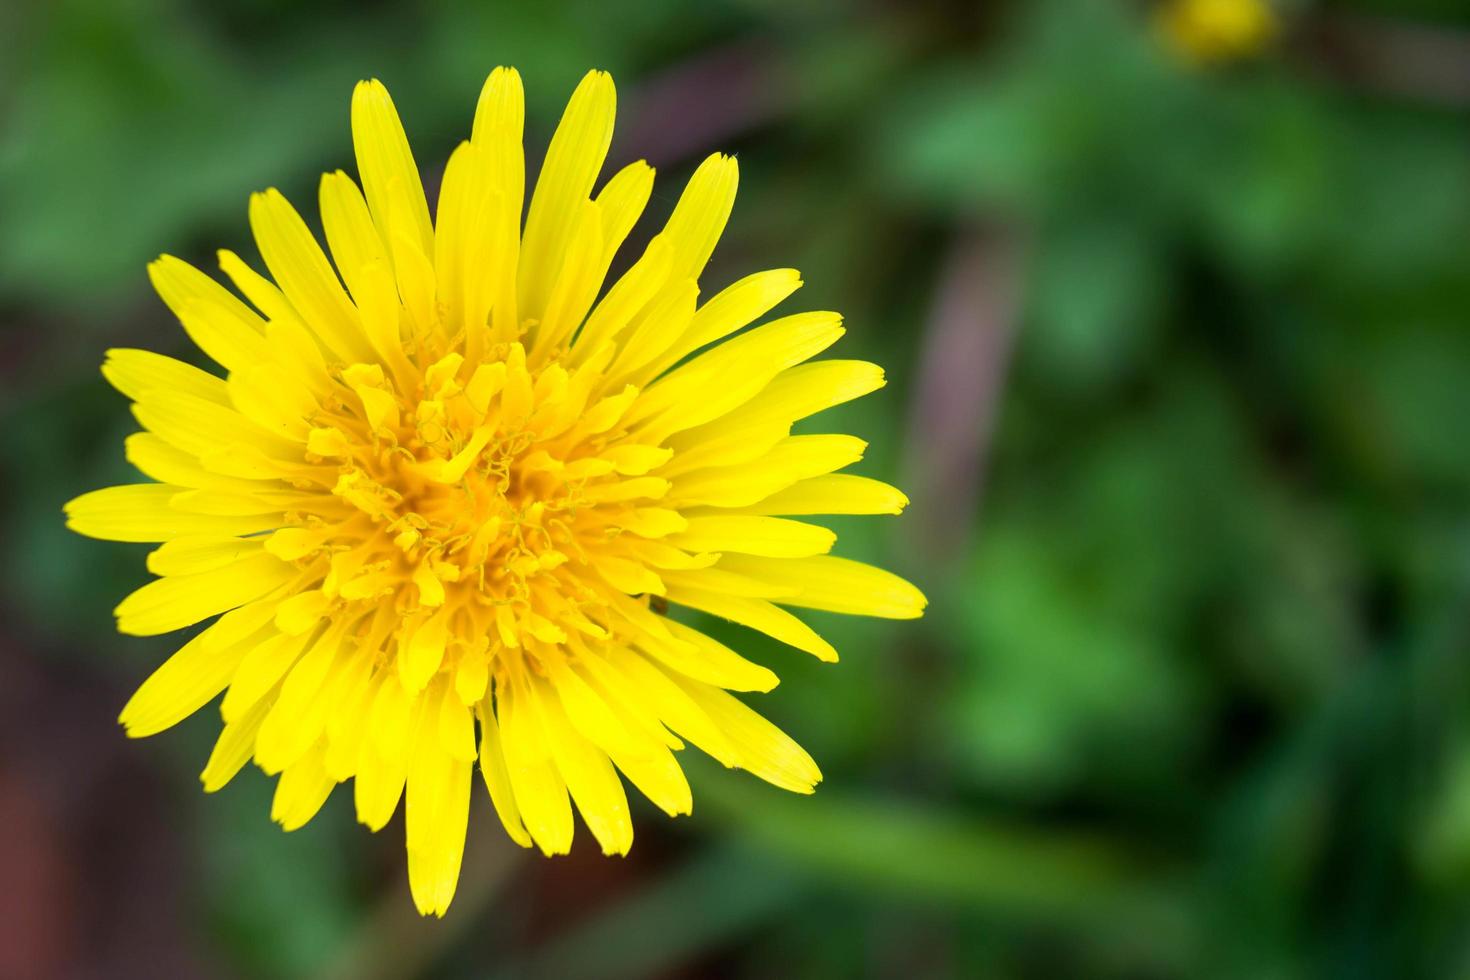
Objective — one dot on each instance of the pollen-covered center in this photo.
(478, 502)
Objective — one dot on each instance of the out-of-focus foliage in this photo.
(1191, 699)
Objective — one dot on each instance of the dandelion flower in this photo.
(447, 490)
(1215, 31)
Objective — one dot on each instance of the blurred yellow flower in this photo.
(432, 501)
(1214, 31)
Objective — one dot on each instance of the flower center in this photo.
(468, 499)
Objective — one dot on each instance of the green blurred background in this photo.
(1179, 351)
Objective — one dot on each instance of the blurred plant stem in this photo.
(963, 362)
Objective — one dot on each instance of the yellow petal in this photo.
(301, 791)
(260, 673)
(201, 553)
(351, 235)
(672, 703)
(133, 372)
(424, 653)
(187, 681)
(834, 584)
(699, 217)
(795, 394)
(299, 717)
(302, 611)
(497, 778)
(764, 749)
(347, 723)
(769, 536)
(222, 326)
(381, 774)
(576, 285)
(734, 372)
(198, 426)
(385, 164)
(704, 658)
(499, 122)
(280, 409)
(621, 201)
(301, 270)
(589, 775)
(141, 512)
(183, 600)
(234, 746)
(833, 493)
(631, 293)
(540, 792)
(758, 614)
(734, 307)
(573, 160)
(437, 814)
(790, 461)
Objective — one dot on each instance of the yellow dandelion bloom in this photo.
(447, 487)
(1214, 31)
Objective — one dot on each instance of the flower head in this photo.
(448, 487)
(1214, 31)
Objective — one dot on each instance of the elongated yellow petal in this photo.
(769, 536)
(198, 426)
(764, 749)
(589, 775)
(186, 682)
(621, 202)
(260, 673)
(499, 122)
(234, 746)
(794, 394)
(704, 658)
(658, 776)
(283, 411)
(304, 275)
(834, 584)
(725, 378)
(351, 235)
(540, 791)
(436, 811)
(299, 717)
(673, 704)
(202, 553)
(497, 778)
(699, 218)
(222, 326)
(758, 614)
(381, 774)
(501, 109)
(576, 285)
(834, 493)
(572, 163)
(141, 512)
(168, 464)
(347, 724)
(434, 864)
(790, 461)
(183, 600)
(301, 791)
(736, 306)
(395, 195)
(133, 372)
